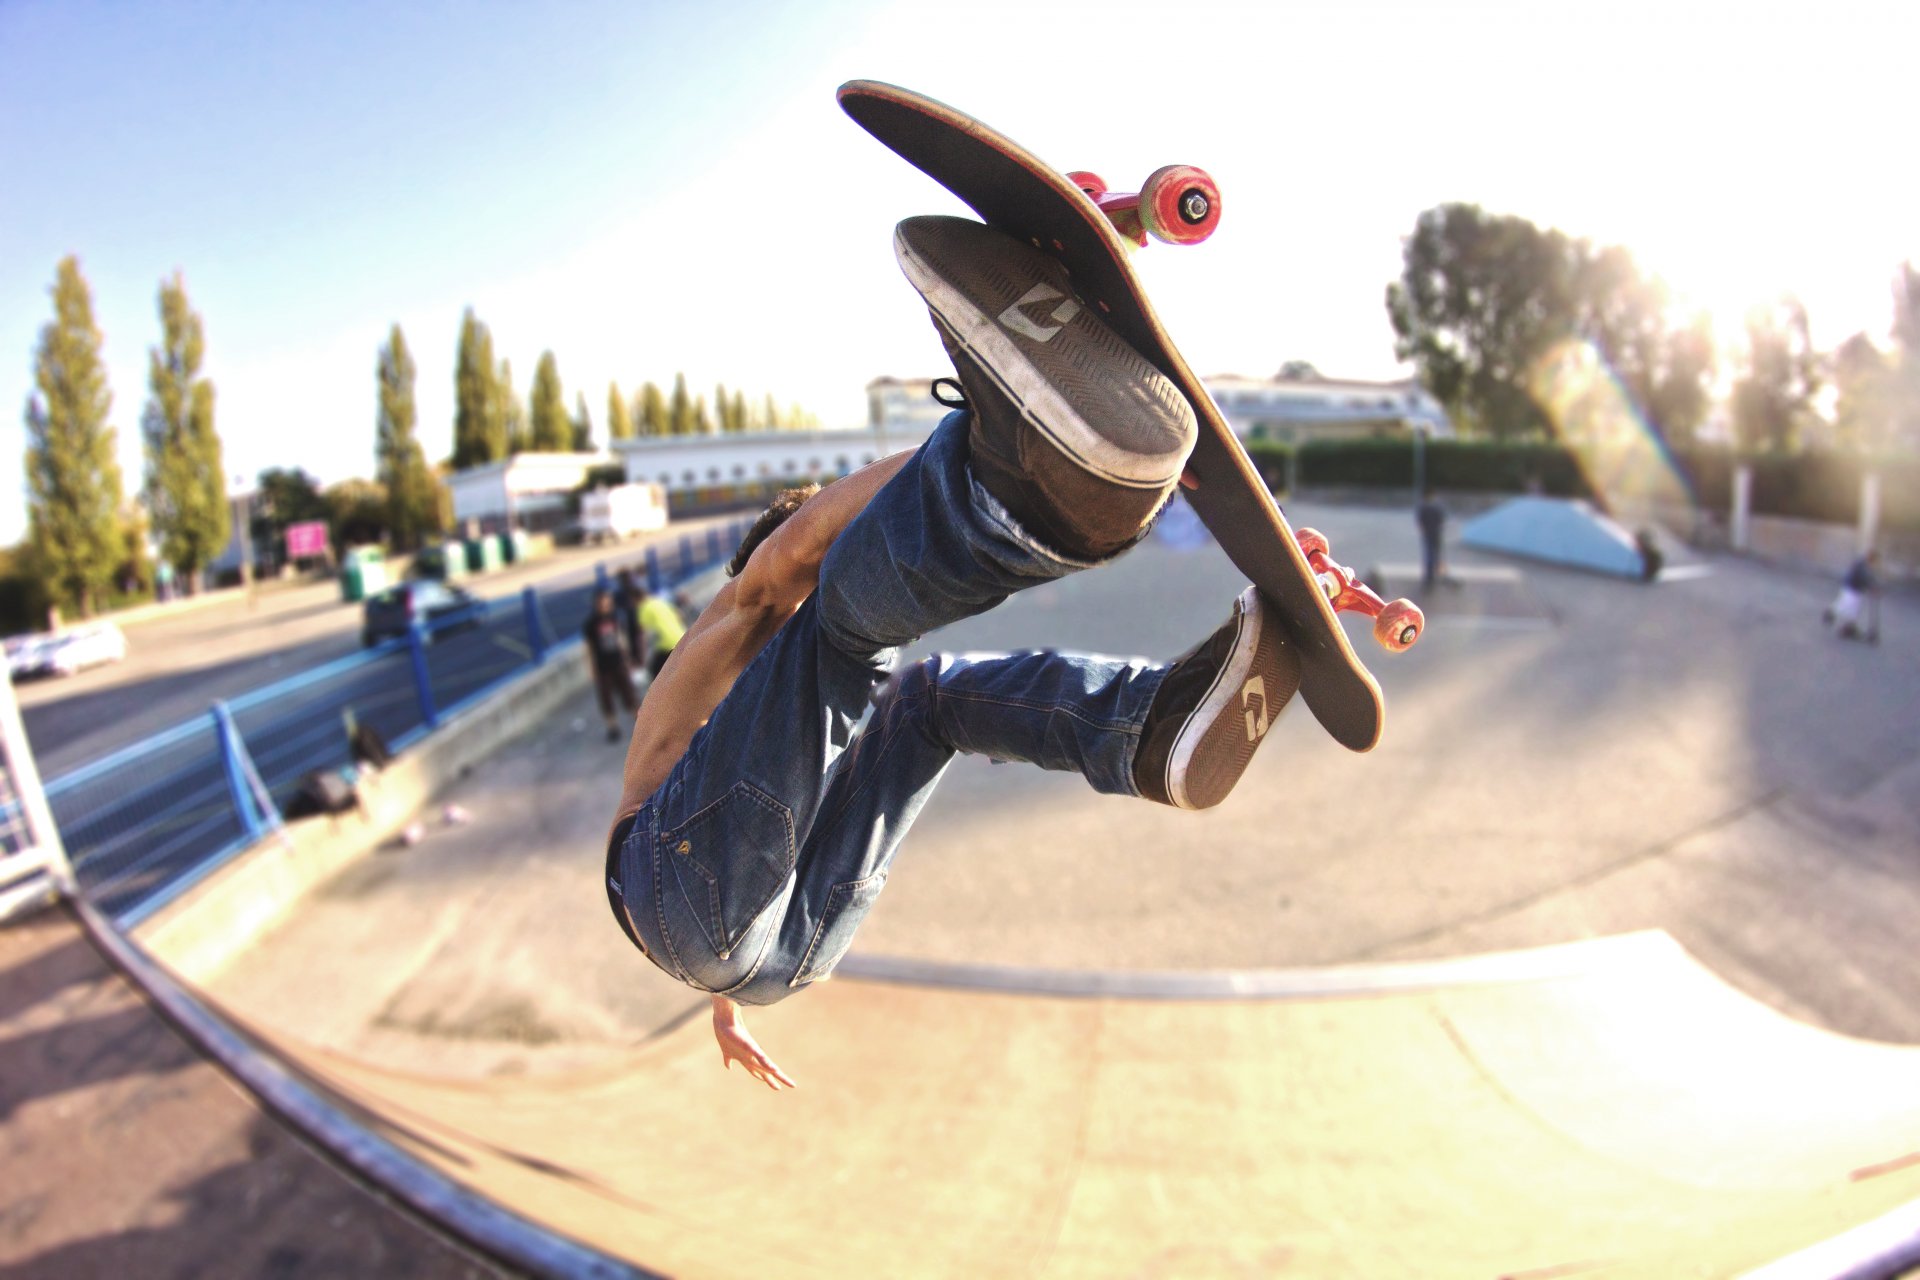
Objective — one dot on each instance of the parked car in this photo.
(434, 605)
(63, 653)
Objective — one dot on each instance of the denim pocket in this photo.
(847, 906)
(730, 860)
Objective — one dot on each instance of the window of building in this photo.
(790, 466)
(739, 472)
(713, 473)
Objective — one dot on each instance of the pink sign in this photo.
(307, 540)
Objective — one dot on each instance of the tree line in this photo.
(1495, 313)
(90, 544)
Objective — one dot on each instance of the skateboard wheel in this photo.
(1310, 540)
(1092, 183)
(1399, 625)
(1179, 204)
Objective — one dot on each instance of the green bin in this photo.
(513, 546)
(483, 554)
(363, 573)
(445, 561)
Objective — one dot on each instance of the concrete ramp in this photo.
(1557, 530)
(1601, 1109)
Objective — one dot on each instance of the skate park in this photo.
(1599, 964)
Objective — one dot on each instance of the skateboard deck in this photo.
(1014, 190)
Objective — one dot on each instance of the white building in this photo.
(1296, 405)
(1299, 404)
(703, 468)
(526, 491)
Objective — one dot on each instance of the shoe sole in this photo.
(1033, 374)
(1218, 739)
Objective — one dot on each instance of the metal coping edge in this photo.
(482, 1225)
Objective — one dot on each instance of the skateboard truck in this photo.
(1396, 624)
(1177, 204)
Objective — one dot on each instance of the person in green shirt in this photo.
(660, 628)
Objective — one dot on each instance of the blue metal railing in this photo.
(148, 821)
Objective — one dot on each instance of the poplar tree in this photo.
(552, 429)
(513, 413)
(582, 424)
(654, 418)
(185, 480)
(73, 474)
(702, 424)
(722, 407)
(619, 423)
(680, 412)
(773, 414)
(479, 410)
(740, 411)
(412, 503)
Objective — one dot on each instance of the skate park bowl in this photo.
(1585, 974)
(1606, 1108)
(1561, 531)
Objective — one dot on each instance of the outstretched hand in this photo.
(738, 1045)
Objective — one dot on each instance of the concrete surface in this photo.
(126, 1155)
(1565, 757)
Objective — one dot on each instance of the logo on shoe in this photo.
(1017, 319)
(1253, 697)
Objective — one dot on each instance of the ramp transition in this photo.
(1604, 1109)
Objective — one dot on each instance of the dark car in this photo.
(434, 605)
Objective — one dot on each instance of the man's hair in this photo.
(784, 504)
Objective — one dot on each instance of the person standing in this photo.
(607, 661)
(1860, 588)
(1432, 519)
(626, 603)
(660, 627)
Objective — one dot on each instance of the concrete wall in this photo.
(208, 926)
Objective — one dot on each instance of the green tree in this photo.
(772, 418)
(73, 475)
(412, 503)
(740, 422)
(1773, 398)
(479, 408)
(186, 478)
(680, 409)
(513, 412)
(1481, 299)
(653, 416)
(284, 496)
(356, 512)
(1904, 373)
(552, 430)
(582, 425)
(1864, 403)
(723, 408)
(619, 423)
(702, 423)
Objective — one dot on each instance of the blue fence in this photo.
(148, 821)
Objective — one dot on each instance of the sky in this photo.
(648, 188)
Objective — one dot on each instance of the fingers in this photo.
(1188, 480)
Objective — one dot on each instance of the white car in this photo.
(65, 652)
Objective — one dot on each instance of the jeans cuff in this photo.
(992, 512)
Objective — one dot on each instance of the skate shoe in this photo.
(1214, 707)
(1073, 431)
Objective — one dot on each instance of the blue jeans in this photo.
(751, 867)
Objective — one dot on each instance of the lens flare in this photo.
(1627, 464)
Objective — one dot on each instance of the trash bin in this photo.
(443, 561)
(363, 573)
(513, 546)
(483, 554)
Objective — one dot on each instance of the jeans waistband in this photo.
(621, 831)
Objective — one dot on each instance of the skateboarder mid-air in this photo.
(758, 818)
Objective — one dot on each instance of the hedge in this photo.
(1809, 486)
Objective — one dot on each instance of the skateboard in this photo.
(1091, 230)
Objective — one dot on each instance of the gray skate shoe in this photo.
(1214, 708)
(1073, 431)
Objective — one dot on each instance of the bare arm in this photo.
(731, 631)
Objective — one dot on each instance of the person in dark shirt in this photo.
(1432, 519)
(627, 594)
(607, 660)
(1858, 589)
